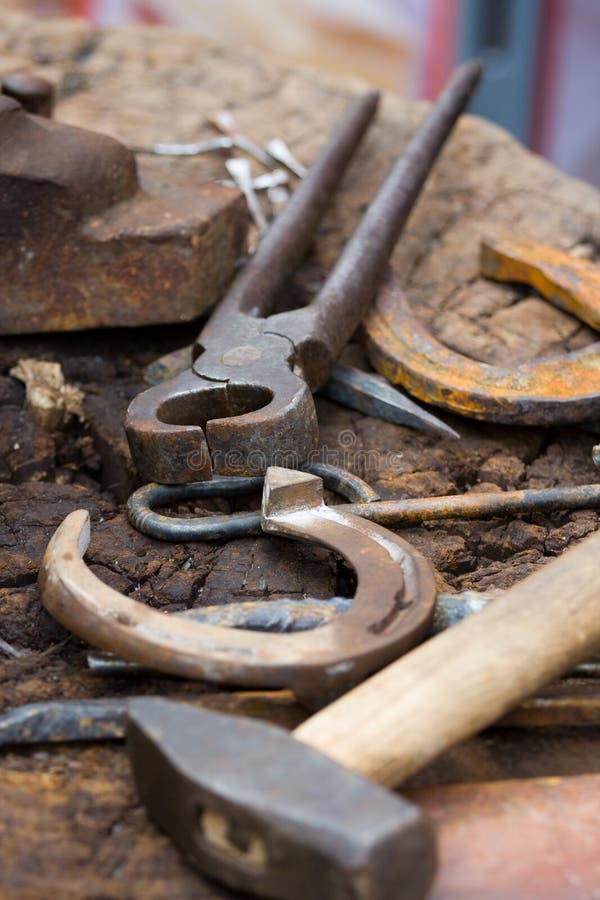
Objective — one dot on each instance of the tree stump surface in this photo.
(70, 824)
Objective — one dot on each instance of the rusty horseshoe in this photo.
(390, 613)
(548, 390)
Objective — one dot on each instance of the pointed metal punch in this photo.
(246, 402)
(374, 396)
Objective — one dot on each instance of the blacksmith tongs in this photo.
(245, 403)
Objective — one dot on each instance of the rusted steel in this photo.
(286, 616)
(561, 705)
(561, 389)
(391, 611)
(404, 513)
(568, 282)
(375, 396)
(105, 718)
(88, 240)
(390, 513)
(61, 721)
(387, 729)
(246, 401)
(35, 94)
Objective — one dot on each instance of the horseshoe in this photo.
(390, 612)
(549, 390)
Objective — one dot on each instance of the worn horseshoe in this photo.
(391, 610)
(571, 283)
(560, 389)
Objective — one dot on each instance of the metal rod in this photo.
(402, 513)
(390, 513)
(292, 232)
(363, 261)
(141, 504)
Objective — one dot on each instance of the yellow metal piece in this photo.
(568, 282)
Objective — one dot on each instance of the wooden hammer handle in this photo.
(464, 679)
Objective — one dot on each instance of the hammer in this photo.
(296, 817)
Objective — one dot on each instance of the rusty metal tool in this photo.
(569, 282)
(89, 239)
(390, 513)
(289, 818)
(63, 721)
(105, 718)
(140, 506)
(391, 610)
(350, 386)
(246, 402)
(263, 813)
(549, 390)
(557, 706)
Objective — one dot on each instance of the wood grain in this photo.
(462, 680)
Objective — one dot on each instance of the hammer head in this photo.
(261, 812)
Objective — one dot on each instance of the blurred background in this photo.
(542, 56)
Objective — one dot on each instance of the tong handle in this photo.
(324, 327)
(288, 239)
(466, 678)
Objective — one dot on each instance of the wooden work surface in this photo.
(70, 825)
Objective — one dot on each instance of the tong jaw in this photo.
(238, 410)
